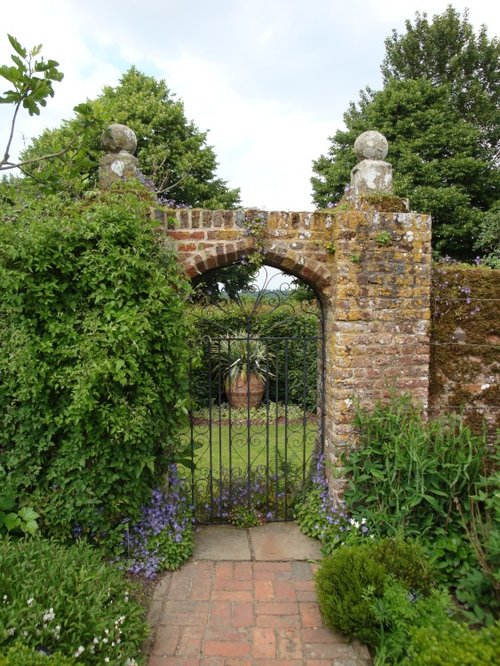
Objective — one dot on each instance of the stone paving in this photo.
(242, 612)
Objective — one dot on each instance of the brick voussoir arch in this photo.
(308, 269)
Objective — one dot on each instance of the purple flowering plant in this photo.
(322, 517)
(247, 500)
(163, 538)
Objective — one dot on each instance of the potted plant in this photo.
(244, 364)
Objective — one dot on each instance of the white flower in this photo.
(95, 641)
(79, 651)
(131, 662)
(106, 659)
(6, 598)
(104, 640)
(11, 631)
(30, 601)
(49, 615)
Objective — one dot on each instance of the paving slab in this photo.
(221, 542)
(267, 543)
(282, 541)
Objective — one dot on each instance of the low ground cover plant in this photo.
(65, 600)
(163, 538)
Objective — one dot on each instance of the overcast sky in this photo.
(269, 79)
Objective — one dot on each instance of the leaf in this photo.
(17, 46)
(7, 502)
(11, 521)
(28, 514)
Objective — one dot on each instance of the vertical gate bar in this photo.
(229, 436)
(267, 426)
(191, 431)
(286, 429)
(221, 470)
(276, 439)
(249, 439)
(304, 417)
(210, 440)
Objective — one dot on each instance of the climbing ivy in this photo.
(93, 358)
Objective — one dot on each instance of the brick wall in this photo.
(371, 271)
(465, 345)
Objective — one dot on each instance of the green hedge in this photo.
(299, 359)
(93, 358)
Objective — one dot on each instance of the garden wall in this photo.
(465, 345)
(369, 263)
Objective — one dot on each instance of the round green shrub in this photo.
(93, 358)
(407, 562)
(454, 644)
(22, 655)
(346, 583)
(65, 599)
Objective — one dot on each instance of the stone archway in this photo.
(369, 267)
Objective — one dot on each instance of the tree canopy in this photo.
(173, 153)
(438, 115)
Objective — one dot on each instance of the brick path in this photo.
(220, 613)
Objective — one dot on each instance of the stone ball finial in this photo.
(371, 145)
(118, 138)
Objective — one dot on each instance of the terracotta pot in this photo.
(245, 392)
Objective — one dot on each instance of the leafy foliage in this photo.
(172, 152)
(453, 644)
(404, 474)
(398, 612)
(366, 592)
(427, 481)
(50, 600)
(439, 112)
(22, 655)
(93, 358)
(14, 519)
(448, 52)
(32, 79)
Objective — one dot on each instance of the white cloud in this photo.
(269, 78)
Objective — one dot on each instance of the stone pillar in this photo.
(379, 320)
(119, 163)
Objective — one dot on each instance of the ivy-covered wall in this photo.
(465, 344)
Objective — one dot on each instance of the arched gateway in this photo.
(369, 262)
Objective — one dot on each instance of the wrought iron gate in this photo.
(256, 416)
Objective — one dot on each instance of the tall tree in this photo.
(444, 158)
(172, 152)
(447, 51)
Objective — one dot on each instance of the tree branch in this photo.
(6, 156)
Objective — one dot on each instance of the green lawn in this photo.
(236, 447)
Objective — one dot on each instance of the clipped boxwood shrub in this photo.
(93, 358)
(342, 582)
(407, 562)
(355, 582)
(454, 645)
(65, 599)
